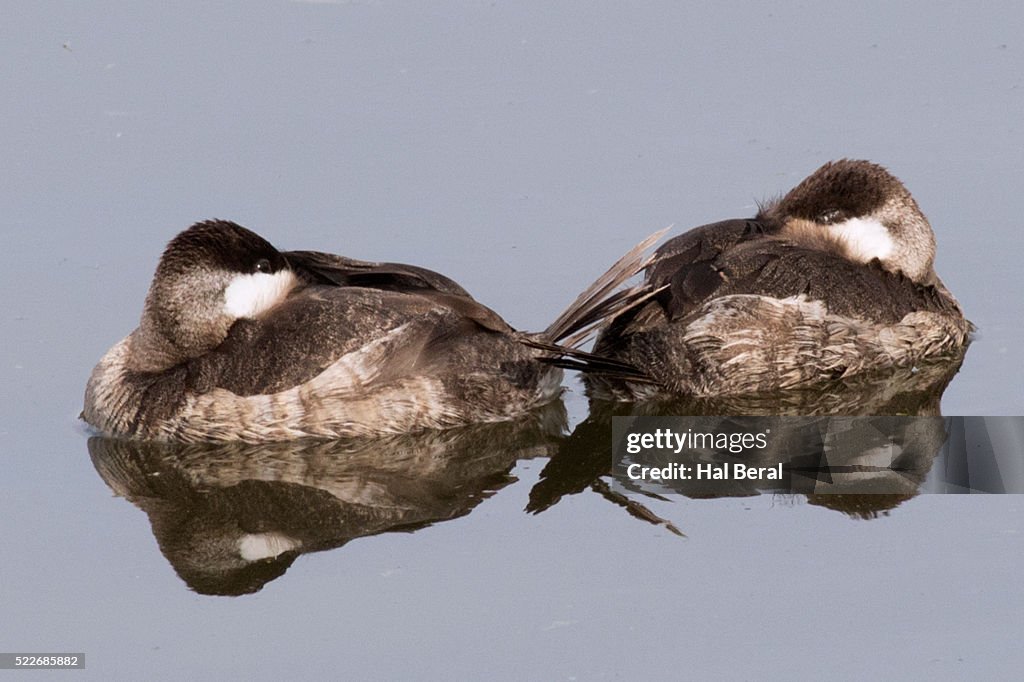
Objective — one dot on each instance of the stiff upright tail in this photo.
(603, 299)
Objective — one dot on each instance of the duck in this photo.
(834, 280)
(239, 341)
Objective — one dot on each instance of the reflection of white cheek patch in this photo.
(251, 295)
(864, 239)
(256, 546)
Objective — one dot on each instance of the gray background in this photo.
(519, 148)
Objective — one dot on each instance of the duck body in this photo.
(833, 280)
(241, 342)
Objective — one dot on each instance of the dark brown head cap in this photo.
(840, 190)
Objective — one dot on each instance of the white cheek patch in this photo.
(865, 239)
(256, 546)
(249, 296)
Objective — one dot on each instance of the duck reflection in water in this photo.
(231, 517)
(871, 468)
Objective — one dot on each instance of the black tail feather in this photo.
(582, 361)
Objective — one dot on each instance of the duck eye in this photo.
(830, 216)
(263, 265)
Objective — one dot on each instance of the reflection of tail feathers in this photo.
(634, 508)
(582, 457)
(581, 462)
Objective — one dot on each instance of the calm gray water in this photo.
(519, 148)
